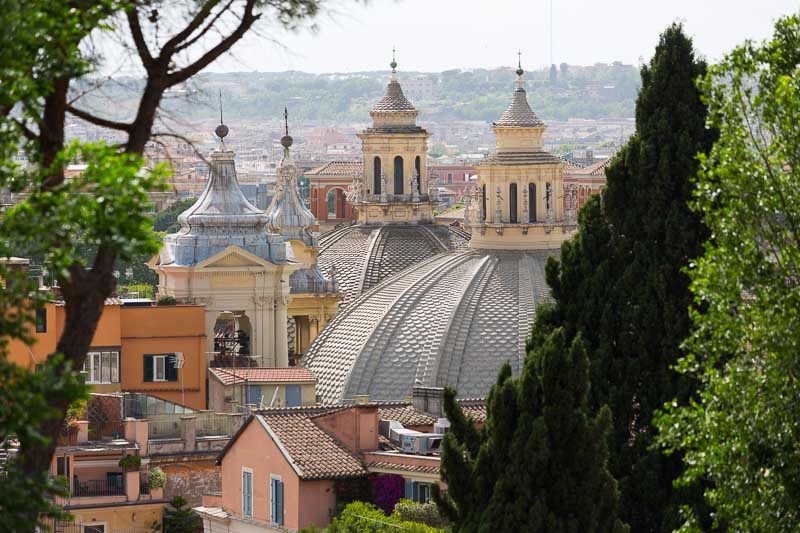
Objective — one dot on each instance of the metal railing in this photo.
(216, 426)
(164, 429)
(144, 484)
(98, 487)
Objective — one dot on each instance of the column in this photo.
(281, 333)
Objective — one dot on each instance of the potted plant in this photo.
(157, 479)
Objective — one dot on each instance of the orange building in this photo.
(156, 350)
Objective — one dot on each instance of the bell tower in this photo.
(393, 187)
(518, 203)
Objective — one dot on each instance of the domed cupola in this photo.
(287, 214)
(220, 217)
(394, 110)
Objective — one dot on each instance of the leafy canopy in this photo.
(742, 431)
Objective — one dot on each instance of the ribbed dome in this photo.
(453, 320)
(394, 100)
(519, 113)
(364, 255)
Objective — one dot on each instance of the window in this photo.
(512, 203)
(418, 168)
(160, 367)
(102, 367)
(254, 394)
(276, 500)
(293, 396)
(398, 175)
(94, 528)
(418, 492)
(247, 492)
(376, 175)
(41, 321)
(532, 202)
(62, 466)
(449, 178)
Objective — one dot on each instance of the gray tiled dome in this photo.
(365, 255)
(453, 320)
(393, 100)
(519, 113)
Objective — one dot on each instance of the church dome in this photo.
(393, 100)
(362, 256)
(519, 113)
(453, 320)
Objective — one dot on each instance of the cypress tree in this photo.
(539, 464)
(620, 283)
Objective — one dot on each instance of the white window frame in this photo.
(94, 374)
(164, 361)
(248, 470)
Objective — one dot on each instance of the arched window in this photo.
(398, 175)
(483, 203)
(532, 202)
(376, 175)
(512, 203)
(418, 167)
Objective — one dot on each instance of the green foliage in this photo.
(131, 461)
(179, 517)
(742, 430)
(157, 478)
(424, 513)
(539, 464)
(361, 517)
(166, 300)
(619, 283)
(166, 220)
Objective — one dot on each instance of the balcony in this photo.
(98, 487)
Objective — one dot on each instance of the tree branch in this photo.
(138, 38)
(248, 19)
(171, 46)
(205, 30)
(105, 123)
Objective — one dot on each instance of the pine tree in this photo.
(620, 283)
(179, 518)
(539, 464)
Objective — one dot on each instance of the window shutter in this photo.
(148, 368)
(273, 493)
(280, 502)
(409, 494)
(170, 372)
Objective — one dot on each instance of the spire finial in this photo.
(286, 140)
(393, 64)
(222, 130)
(520, 72)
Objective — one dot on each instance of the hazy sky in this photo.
(435, 35)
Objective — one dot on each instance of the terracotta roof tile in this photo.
(337, 168)
(405, 414)
(314, 453)
(229, 376)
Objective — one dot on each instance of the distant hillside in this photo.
(599, 91)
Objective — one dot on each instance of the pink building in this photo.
(287, 469)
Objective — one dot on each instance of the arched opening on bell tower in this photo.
(398, 175)
(512, 203)
(532, 202)
(418, 168)
(483, 203)
(376, 175)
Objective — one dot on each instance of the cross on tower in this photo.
(519, 58)
(286, 120)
